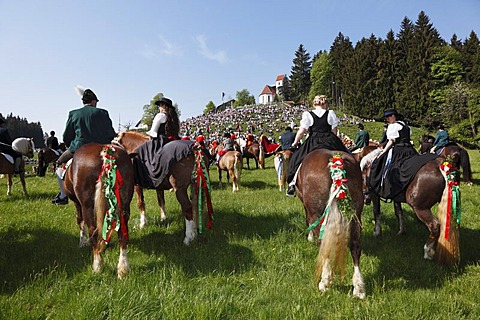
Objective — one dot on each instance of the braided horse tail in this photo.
(449, 214)
(108, 206)
(334, 228)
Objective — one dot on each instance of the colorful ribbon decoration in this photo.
(112, 182)
(202, 187)
(338, 190)
(453, 201)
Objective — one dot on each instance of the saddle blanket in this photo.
(8, 157)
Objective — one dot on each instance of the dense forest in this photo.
(427, 79)
(20, 127)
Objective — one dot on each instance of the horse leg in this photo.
(123, 267)
(231, 174)
(24, 184)
(9, 184)
(355, 250)
(81, 224)
(187, 211)
(141, 205)
(327, 276)
(400, 218)
(161, 204)
(219, 176)
(377, 230)
(433, 226)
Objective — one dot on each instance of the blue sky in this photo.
(191, 51)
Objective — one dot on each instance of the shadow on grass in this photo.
(400, 257)
(33, 252)
(214, 250)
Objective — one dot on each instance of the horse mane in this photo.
(369, 158)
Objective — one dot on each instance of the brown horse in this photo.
(25, 147)
(179, 178)
(423, 192)
(457, 154)
(282, 163)
(232, 163)
(85, 186)
(46, 156)
(252, 152)
(318, 193)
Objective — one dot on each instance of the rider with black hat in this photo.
(88, 124)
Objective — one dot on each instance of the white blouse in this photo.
(307, 119)
(157, 121)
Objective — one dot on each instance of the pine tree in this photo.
(300, 75)
(471, 53)
(388, 69)
(340, 51)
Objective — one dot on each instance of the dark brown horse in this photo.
(179, 178)
(459, 156)
(46, 156)
(85, 186)
(316, 190)
(232, 163)
(252, 152)
(423, 192)
(25, 147)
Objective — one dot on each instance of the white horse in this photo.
(25, 147)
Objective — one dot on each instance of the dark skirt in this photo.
(316, 140)
(155, 157)
(403, 167)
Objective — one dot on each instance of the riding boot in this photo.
(17, 165)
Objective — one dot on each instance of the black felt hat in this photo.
(164, 101)
(89, 95)
(390, 112)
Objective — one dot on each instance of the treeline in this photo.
(424, 77)
(20, 127)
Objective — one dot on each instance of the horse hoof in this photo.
(428, 253)
(322, 286)
(359, 292)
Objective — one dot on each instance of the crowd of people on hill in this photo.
(272, 123)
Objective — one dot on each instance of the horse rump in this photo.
(100, 183)
(329, 184)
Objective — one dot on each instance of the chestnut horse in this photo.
(85, 185)
(282, 162)
(179, 178)
(424, 191)
(25, 147)
(46, 156)
(232, 163)
(321, 178)
(459, 156)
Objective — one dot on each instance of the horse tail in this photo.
(449, 213)
(334, 245)
(109, 214)
(237, 167)
(261, 156)
(465, 164)
(334, 228)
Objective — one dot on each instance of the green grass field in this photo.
(254, 264)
